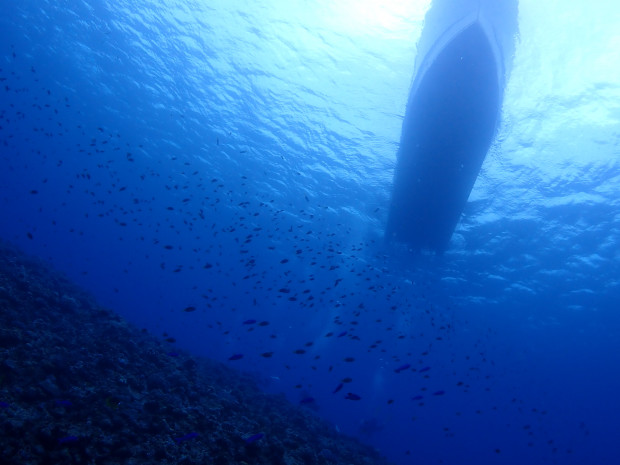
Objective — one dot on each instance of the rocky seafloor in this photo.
(78, 385)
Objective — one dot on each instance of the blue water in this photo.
(237, 157)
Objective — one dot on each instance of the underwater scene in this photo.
(194, 264)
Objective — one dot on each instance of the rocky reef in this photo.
(78, 385)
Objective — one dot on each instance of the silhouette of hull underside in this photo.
(450, 122)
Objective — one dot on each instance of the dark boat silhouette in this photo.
(463, 61)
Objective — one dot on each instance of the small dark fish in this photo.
(351, 396)
(235, 357)
(422, 370)
(67, 440)
(263, 323)
(417, 398)
(266, 354)
(342, 334)
(299, 351)
(439, 393)
(249, 322)
(189, 309)
(338, 388)
(402, 367)
(186, 437)
(112, 403)
(254, 438)
(349, 359)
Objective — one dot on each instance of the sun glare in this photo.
(372, 17)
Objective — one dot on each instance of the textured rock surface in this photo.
(79, 385)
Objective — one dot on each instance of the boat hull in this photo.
(451, 119)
